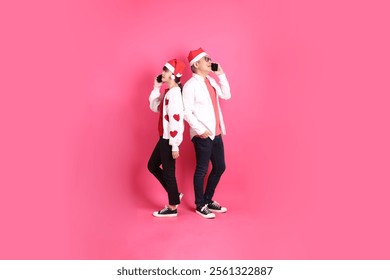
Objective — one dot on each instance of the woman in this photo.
(169, 105)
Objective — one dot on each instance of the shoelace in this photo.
(164, 210)
(205, 209)
(215, 204)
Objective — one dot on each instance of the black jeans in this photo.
(162, 155)
(207, 150)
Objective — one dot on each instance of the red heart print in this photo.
(176, 117)
(173, 133)
(166, 102)
(166, 117)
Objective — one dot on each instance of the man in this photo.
(201, 95)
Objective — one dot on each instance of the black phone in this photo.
(159, 78)
(214, 67)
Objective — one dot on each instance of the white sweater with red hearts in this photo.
(172, 114)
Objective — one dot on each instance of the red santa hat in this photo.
(195, 55)
(176, 67)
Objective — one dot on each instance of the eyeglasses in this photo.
(207, 59)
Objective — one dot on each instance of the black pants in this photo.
(207, 150)
(162, 155)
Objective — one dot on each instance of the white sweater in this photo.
(173, 125)
(198, 107)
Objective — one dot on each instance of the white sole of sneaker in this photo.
(165, 216)
(219, 211)
(209, 216)
(155, 214)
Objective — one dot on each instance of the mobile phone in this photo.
(159, 78)
(214, 67)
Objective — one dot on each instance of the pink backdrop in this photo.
(307, 148)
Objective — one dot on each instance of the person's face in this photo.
(204, 64)
(166, 74)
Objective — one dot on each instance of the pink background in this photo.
(307, 148)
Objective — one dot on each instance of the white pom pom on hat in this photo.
(176, 67)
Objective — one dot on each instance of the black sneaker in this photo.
(215, 207)
(166, 212)
(205, 212)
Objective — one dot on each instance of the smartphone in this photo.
(159, 78)
(214, 67)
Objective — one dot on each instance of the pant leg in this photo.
(218, 167)
(203, 148)
(168, 172)
(154, 164)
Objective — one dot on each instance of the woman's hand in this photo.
(175, 154)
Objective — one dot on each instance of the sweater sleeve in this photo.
(176, 115)
(154, 100)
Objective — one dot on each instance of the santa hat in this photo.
(176, 67)
(195, 55)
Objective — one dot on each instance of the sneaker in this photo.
(215, 207)
(166, 212)
(205, 212)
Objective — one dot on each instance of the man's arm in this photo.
(224, 84)
(189, 109)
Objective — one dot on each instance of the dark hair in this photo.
(178, 82)
(177, 79)
(193, 68)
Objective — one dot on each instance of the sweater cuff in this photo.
(175, 148)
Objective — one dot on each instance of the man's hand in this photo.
(219, 71)
(206, 134)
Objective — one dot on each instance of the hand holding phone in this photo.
(214, 67)
(158, 82)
